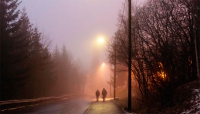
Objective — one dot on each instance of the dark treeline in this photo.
(70, 76)
(163, 46)
(28, 69)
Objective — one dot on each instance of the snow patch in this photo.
(195, 102)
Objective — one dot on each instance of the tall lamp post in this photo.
(129, 55)
(115, 60)
(195, 39)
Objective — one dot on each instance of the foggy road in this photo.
(65, 106)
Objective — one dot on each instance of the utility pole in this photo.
(110, 86)
(110, 78)
(115, 59)
(195, 39)
(129, 55)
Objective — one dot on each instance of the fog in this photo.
(62, 48)
(75, 23)
(78, 25)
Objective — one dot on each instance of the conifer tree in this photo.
(40, 63)
(14, 45)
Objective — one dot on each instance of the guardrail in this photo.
(14, 104)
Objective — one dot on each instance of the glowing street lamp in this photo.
(101, 40)
(103, 64)
(99, 43)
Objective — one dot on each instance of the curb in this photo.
(119, 106)
(89, 108)
(125, 112)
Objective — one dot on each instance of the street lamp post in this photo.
(110, 86)
(115, 59)
(195, 39)
(129, 55)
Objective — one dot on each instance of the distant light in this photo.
(103, 64)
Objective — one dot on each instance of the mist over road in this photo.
(75, 105)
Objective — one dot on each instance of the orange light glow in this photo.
(162, 74)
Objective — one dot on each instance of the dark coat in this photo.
(97, 93)
(104, 92)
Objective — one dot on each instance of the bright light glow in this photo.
(102, 66)
(101, 40)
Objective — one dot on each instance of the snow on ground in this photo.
(195, 101)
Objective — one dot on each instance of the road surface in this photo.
(76, 105)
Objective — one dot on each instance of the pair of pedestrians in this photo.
(104, 93)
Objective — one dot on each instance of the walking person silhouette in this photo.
(104, 93)
(97, 95)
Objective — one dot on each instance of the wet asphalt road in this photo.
(76, 105)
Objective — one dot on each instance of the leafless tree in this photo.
(163, 50)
